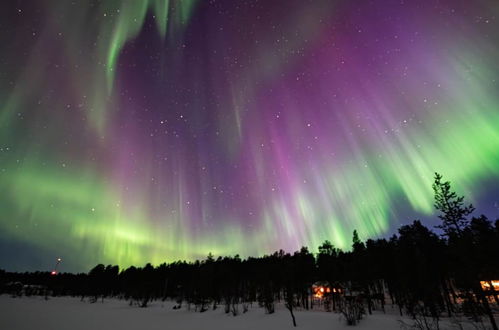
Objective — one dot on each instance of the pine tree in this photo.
(454, 211)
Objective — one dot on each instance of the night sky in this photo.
(152, 131)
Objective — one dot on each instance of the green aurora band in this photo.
(65, 165)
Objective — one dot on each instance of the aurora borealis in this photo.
(152, 131)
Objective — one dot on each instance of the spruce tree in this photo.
(454, 212)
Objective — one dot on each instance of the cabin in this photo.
(323, 289)
(490, 285)
(326, 295)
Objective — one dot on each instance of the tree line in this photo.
(424, 274)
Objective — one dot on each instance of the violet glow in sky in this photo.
(151, 131)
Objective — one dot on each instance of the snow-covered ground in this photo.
(71, 313)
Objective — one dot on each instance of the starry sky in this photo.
(156, 130)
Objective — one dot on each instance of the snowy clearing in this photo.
(71, 313)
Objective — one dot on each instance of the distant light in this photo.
(486, 285)
(53, 272)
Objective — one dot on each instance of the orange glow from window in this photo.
(486, 285)
(320, 291)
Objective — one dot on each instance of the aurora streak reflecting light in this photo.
(152, 131)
